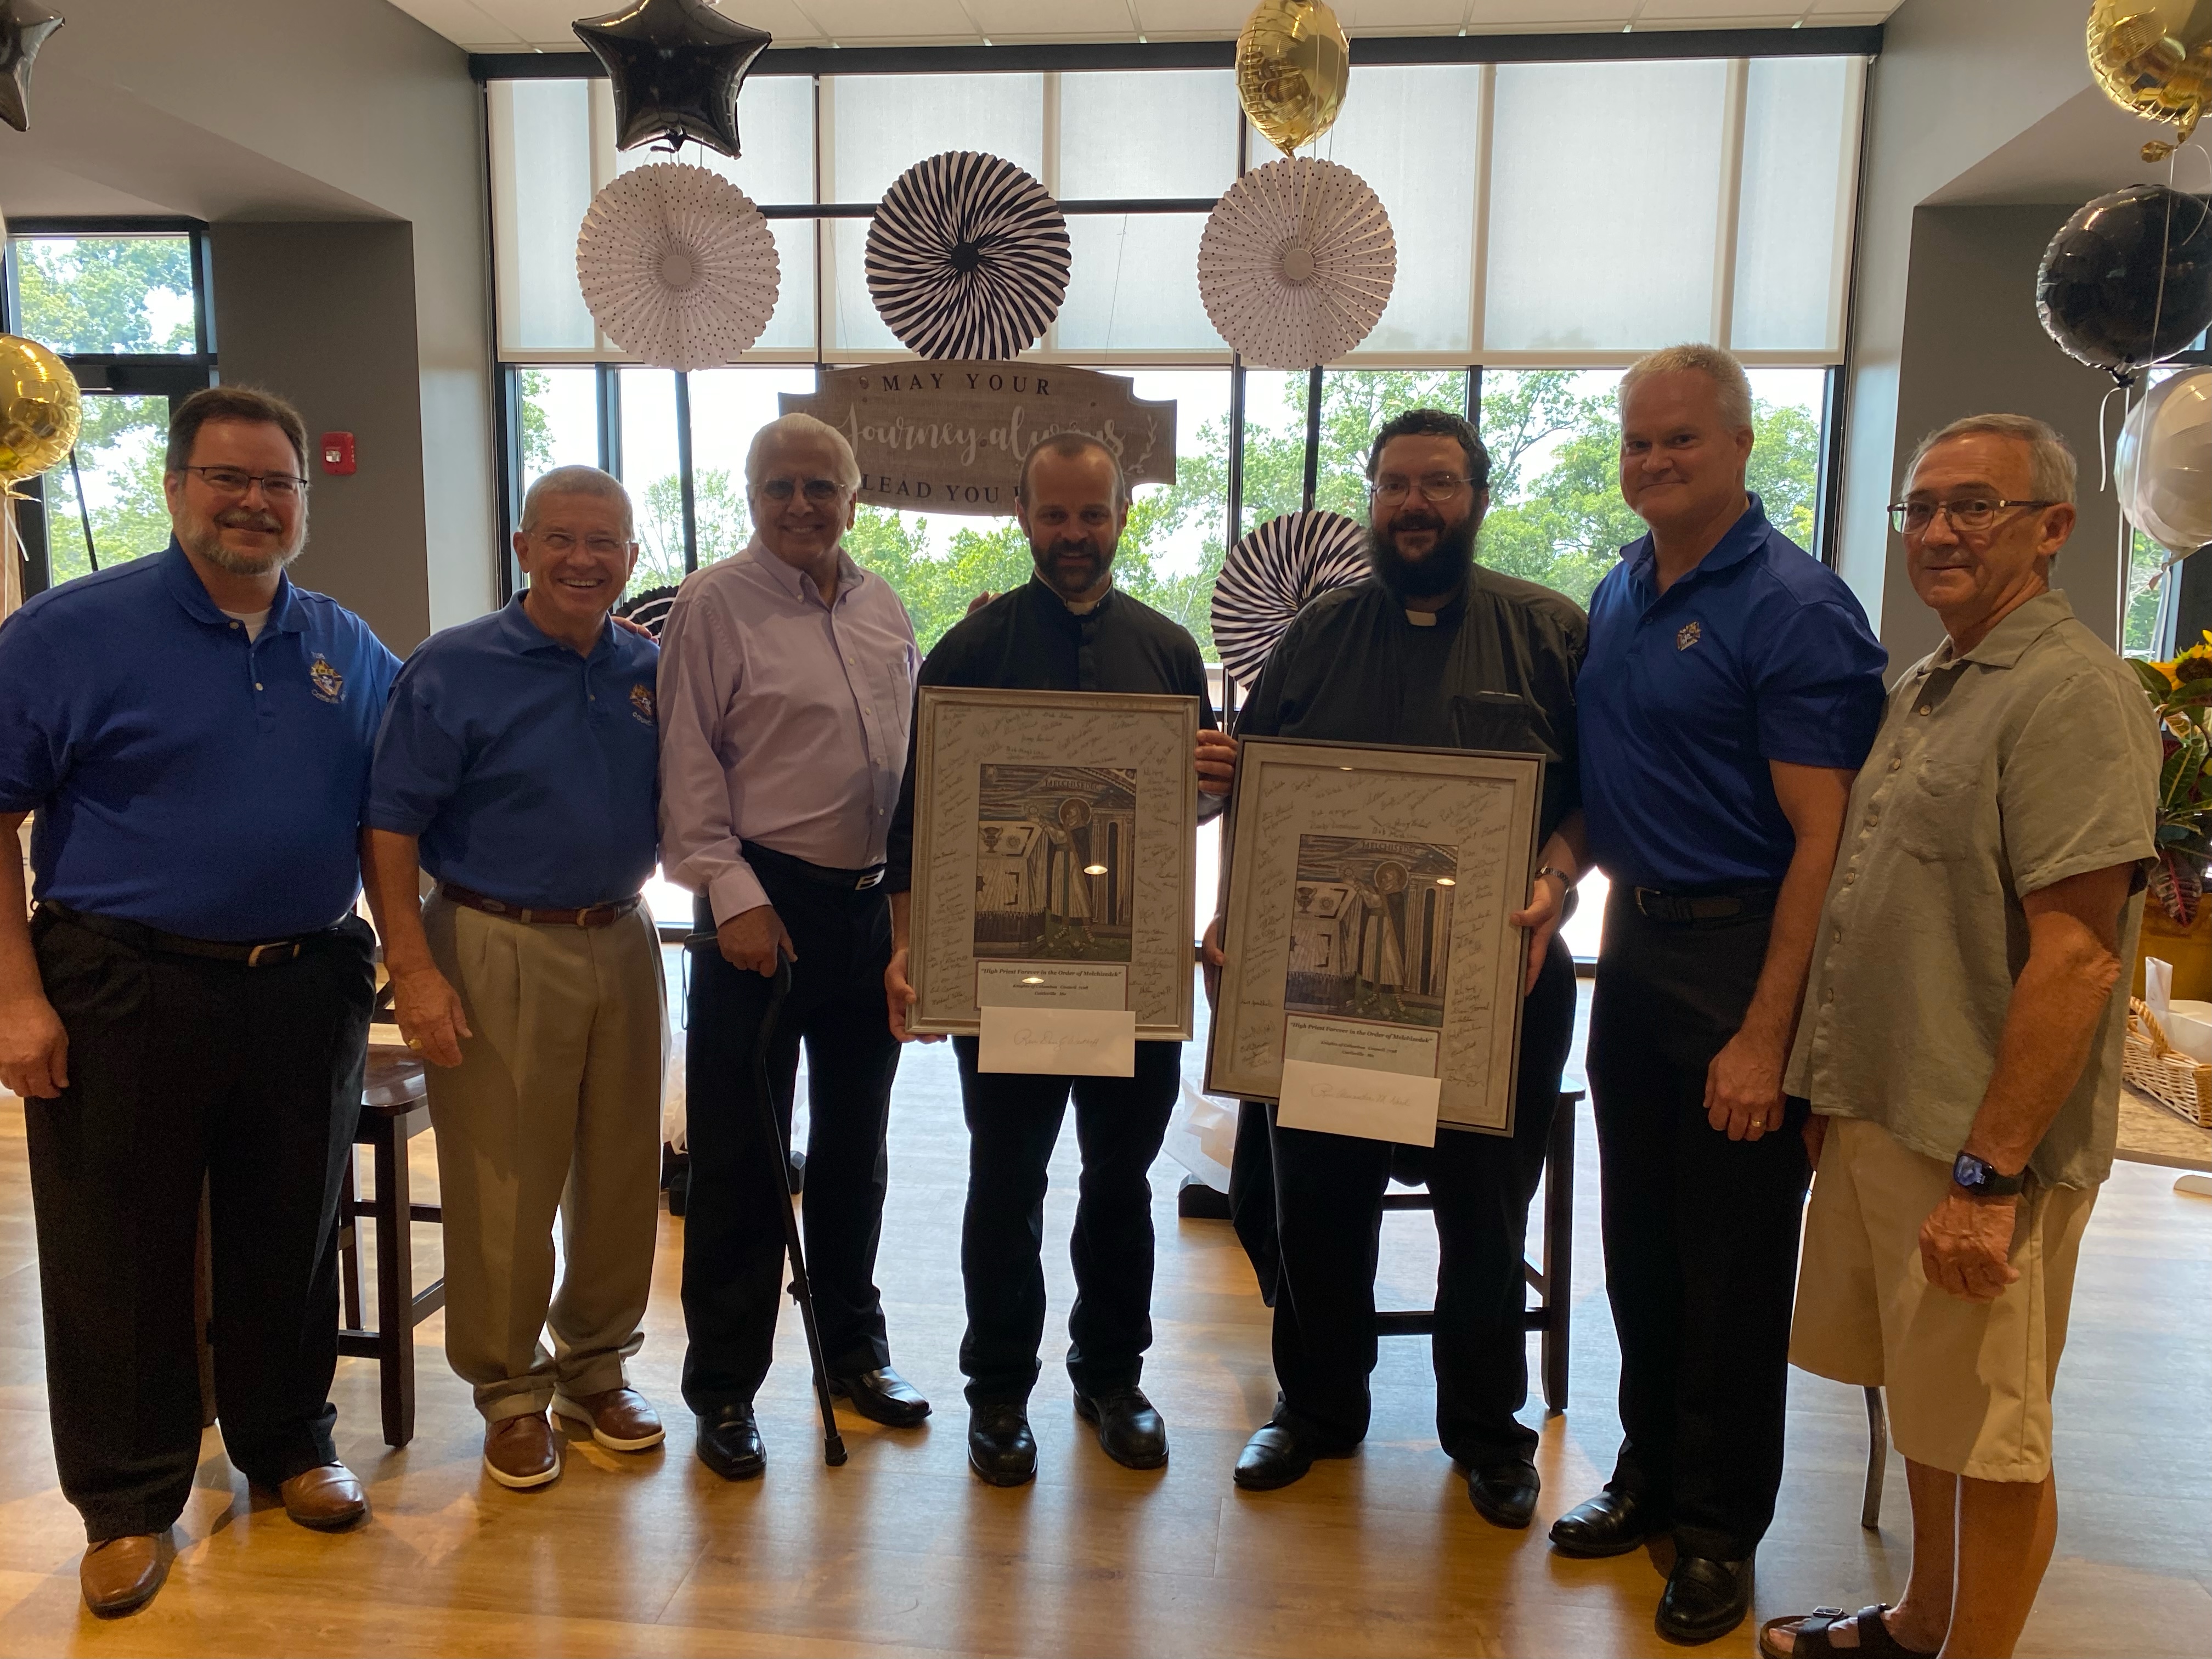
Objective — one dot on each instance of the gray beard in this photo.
(210, 548)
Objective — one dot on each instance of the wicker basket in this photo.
(2163, 1071)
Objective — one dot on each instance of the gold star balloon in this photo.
(1292, 66)
(38, 409)
(2154, 58)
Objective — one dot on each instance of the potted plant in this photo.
(2178, 925)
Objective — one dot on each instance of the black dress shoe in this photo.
(1504, 1493)
(1703, 1599)
(1129, 1430)
(882, 1396)
(730, 1443)
(1000, 1448)
(1612, 1524)
(1280, 1453)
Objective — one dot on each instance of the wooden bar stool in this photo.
(394, 1109)
(1551, 1276)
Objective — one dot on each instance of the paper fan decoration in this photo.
(677, 265)
(1297, 264)
(967, 257)
(1269, 575)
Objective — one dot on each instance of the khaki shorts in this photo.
(1968, 1383)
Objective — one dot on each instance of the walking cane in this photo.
(802, 1291)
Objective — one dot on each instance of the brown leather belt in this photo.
(591, 916)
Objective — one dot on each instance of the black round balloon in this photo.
(2128, 279)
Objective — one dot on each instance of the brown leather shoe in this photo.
(122, 1574)
(621, 1420)
(329, 1499)
(521, 1452)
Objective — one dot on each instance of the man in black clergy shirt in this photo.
(1435, 650)
(1067, 629)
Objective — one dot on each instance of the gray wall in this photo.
(325, 314)
(247, 112)
(1971, 343)
(1988, 111)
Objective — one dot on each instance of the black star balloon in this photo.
(677, 66)
(24, 26)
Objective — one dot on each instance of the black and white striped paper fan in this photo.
(967, 257)
(1269, 575)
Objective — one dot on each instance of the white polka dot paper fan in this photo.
(1297, 264)
(967, 257)
(677, 265)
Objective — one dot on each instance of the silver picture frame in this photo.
(1368, 888)
(1056, 830)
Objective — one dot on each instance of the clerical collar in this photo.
(1422, 618)
(1072, 609)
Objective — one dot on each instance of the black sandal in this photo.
(1809, 1632)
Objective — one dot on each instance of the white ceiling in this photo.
(544, 25)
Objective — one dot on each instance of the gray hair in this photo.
(1067, 446)
(1718, 365)
(2050, 459)
(800, 426)
(579, 481)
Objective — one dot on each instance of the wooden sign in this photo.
(937, 436)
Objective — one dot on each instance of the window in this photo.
(124, 309)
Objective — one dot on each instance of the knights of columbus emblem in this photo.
(640, 704)
(330, 684)
(1690, 635)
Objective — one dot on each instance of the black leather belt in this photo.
(152, 940)
(1744, 904)
(821, 875)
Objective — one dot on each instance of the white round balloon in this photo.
(2162, 465)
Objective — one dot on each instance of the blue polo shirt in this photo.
(530, 772)
(183, 777)
(1760, 654)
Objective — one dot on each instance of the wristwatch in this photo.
(1982, 1180)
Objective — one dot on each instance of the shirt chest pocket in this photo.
(1500, 721)
(1938, 805)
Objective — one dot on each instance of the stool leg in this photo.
(1558, 1251)
(395, 1286)
(1877, 1461)
(349, 1245)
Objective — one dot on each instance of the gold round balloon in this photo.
(1292, 66)
(38, 409)
(2154, 58)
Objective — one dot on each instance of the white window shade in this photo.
(1793, 222)
(1165, 133)
(1413, 134)
(1133, 286)
(542, 181)
(1604, 205)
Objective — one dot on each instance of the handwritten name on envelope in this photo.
(1062, 1041)
(1345, 1100)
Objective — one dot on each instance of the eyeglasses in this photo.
(819, 492)
(560, 543)
(1969, 517)
(1435, 487)
(236, 481)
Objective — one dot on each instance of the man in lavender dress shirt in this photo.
(786, 687)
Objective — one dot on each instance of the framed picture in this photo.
(1054, 839)
(1372, 979)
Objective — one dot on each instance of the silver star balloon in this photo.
(677, 66)
(24, 26)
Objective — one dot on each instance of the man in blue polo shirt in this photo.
(1732, 690)
(516, 765)
(191, 1001)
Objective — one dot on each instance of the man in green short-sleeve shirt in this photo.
(1961, 1039)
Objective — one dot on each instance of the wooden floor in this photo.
(902, 1551)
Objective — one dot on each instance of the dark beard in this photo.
(1442, 569)
(1045, 559)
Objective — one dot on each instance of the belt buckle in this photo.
(874, 878)
(583, 914)
(253, 957)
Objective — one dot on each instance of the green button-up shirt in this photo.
(1998, 771)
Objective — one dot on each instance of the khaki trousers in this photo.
(555, 1109)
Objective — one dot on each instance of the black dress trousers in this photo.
(1700, 1231)
(183, 1069)
(1328, 1211)
(734, 1245)
(1013, 1122)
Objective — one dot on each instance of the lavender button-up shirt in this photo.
(783, 721)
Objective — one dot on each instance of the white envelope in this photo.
(1348, 1100)
(1058, 1041)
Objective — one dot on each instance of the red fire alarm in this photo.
(337, 452)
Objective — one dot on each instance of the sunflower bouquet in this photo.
(2180, 693)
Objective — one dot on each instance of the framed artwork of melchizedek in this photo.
(1373, 982)
(1053, 835)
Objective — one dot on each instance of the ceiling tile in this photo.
(462, 22)
(1524, 17)
(1170, 20)
(1401, 16)
(855, 21)
(1054, 20)
(1734, 14)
